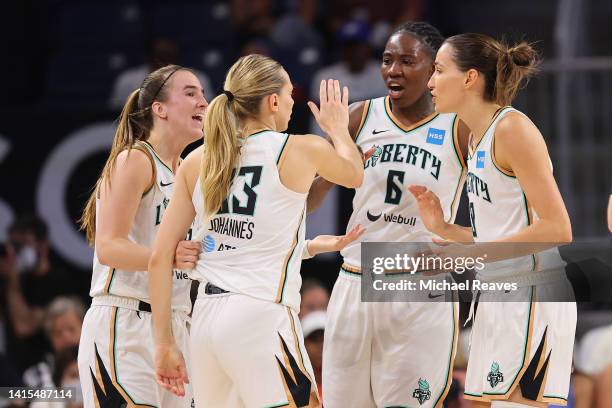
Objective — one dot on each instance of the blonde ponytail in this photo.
(248, 81)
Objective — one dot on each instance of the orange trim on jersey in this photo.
(495, 116)
(543, 358)
(111, 353)
(455, 203)
(364, 115)
(498, 166)
(100, 383)
(301, 359)
(555, 400)
(456, 142)
(145, 150)
(109, 279)
(452, 357)
(283, 278)
(399, 124)
(529, 210)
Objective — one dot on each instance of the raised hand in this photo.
(331, 243)
(170, 371)
(429, 208)
(186, 255)
(333, 114)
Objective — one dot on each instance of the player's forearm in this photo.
(353, 162)
(318, 191)
(543, 231)
(121, 253)
(456, 233)
(160, 293)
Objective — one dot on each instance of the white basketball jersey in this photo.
(107, 280)
(499, 207)
(253, 245)
(425, 153)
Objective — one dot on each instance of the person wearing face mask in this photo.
(65, 375)
(62, 325)
(31, 282)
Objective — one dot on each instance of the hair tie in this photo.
(230, 96)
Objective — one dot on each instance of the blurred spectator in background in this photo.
(313, 327)
(592, 378)
(66, 375)
(357, 69)
(31, 282)
(260, 46)
(161, 52)
(251, 19)
(63, 323)
(9, 377)
(315, 297)
(295, 28)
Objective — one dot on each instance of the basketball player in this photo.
(521, 352)
(248, 188)
(390, 354)
(121, 218)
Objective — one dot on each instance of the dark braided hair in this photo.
(425, 32)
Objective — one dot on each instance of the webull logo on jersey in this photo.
(390, 217)
(408, 154)
(422, 393)
(435, 136)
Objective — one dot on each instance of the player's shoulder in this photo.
(515, 124)
(191, 164)
(135, 157)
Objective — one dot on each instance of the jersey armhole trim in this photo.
(499, 167)
(367, 107)
(152, 160)
(456, 146)
(156, 156)
(282, 149)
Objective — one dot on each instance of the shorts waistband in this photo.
(529, 279)
(351, 270)
(125, 302)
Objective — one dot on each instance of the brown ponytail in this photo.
(504, 68)
(134, 124)
(513, 65)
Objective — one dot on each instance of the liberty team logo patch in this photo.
(435, 136)
(480, 159)
(422, 393)
(495, 376)
(371, 162)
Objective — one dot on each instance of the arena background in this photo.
(61, 58)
